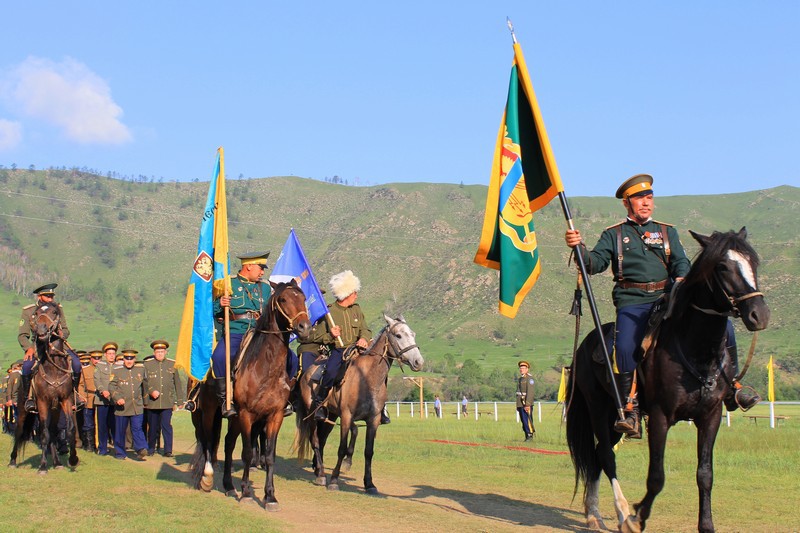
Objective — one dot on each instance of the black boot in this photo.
(222, 396)
(739, 396)
(630, 425)
(80, 403)
(385, 416)
(30, 405)
(319, 410)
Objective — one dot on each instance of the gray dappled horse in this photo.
(361, 396)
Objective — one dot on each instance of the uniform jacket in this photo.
(525, 395)
(12, 386)
(86, 387)
(162, 376)
(349, 319)
(128, 383)
(246, 296)
(644, 259)
(25, 335)
(102, 379)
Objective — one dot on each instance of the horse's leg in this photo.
(19, 432)
(44, 437)
(318, 437)
(351, 448)
(657, 429)
(273, 427)
(369, 451)
(66, 405)
(706, 436)
(245, 426)
(230, 444)
(603, 416)
(344, 433)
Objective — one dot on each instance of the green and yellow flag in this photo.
(771, 372)
(524, 179)
(562, 387)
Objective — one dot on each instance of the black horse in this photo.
(52, 384)
(685, 374)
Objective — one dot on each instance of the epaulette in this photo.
(664, 224)
(621, 222)
(29, 306)
(168, 359)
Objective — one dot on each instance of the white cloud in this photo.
(10, 134)
(69, 96)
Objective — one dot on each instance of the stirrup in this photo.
(748, 400)
(630, 426)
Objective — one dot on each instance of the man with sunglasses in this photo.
(244, 305)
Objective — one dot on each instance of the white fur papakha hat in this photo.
(344, 284)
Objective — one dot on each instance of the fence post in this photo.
(495, 411)
(476, 410)
(426, 409)
(398, 409)
(412, 409)
(458, 410)
(540, 412)
(728, 417)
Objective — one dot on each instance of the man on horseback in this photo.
(351, 328)
(244, 305)
(27, 340)
(646, 258)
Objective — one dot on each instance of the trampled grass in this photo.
(497, 483)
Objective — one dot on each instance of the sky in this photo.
(702, 95)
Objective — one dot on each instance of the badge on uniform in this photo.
(626, 239)
(531, 381)
(654, 237)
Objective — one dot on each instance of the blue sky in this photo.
(703, 95)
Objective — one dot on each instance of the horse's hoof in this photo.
(272, 507)
(206, 485)
(347, 464)
(249, 500)
(321, 481)
(372, 491)
(12, 465)
(42, 472)
(58, 467)
(74, 462)
(595, 523)
(630, 525)
(333, 486)
(232, 494)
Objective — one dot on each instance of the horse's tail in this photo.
(302, 434)
(580, 437)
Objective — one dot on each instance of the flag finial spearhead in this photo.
(511, 29)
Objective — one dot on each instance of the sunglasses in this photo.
(129, 358)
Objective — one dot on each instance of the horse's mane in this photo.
(265, 323)
(713, 252)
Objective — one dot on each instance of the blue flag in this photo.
(292, 264)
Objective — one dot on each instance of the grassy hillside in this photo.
(121, 253)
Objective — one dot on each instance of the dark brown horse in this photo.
(684, 376)
(261, 392)
(361, 396)
(52, 385)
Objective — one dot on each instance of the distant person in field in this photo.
(437, 406)
(27, 340)
(351, 328)
(464, 405)
(525, 400)
(646, 258)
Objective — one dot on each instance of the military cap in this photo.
(83, 356)
(118, 357)
(110, 346)
(523, 363)
(636, 186)
(155, 345)
(344, 284)
(129, 353)
(46, 290)
(96, 354)
(254, 258)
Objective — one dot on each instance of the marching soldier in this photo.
(26, 338)
(525, 399)
(127, 387)
(248, 296)
(104, 408)
(89, 391)
(164, 393)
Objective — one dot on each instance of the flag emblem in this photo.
(204, 266)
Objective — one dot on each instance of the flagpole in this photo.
(226, 294)
(584, 272)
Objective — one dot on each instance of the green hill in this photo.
(121, 253)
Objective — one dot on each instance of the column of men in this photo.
(129, 403)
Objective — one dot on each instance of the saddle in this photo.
(347, 358)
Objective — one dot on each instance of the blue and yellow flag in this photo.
(524, 179)
(210, 278)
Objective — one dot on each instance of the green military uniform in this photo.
(351, 321)
(247, 301)
(162, 376)
(525, 395)
(102, 380)
(24, 335)
(128, 384)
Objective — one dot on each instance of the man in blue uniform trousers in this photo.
(164, 391)
(127, 392)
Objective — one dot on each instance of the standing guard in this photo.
(165, 393)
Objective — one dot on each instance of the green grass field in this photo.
(499, 485)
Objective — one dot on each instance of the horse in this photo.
(684, 375)
(261, 392)
(361, 396)
(52, 384)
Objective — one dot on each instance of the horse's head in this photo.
(288, 304)
(46, 321)
(401, 342)
(729, 265)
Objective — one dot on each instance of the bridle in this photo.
(391, 350)
(734, 302)
(275, 306)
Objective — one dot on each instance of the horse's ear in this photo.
(273, 284)
(702, 239)
(401, 318)
(743, 232)
(389, 320)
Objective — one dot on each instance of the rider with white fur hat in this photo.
(351, 328)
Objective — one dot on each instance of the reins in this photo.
(276, 306)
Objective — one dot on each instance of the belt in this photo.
(651, 286)
(249, 314)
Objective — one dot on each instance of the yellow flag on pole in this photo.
(771, 372)
(562, 387)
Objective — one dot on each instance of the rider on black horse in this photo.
(27, 340)
(646, 258)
